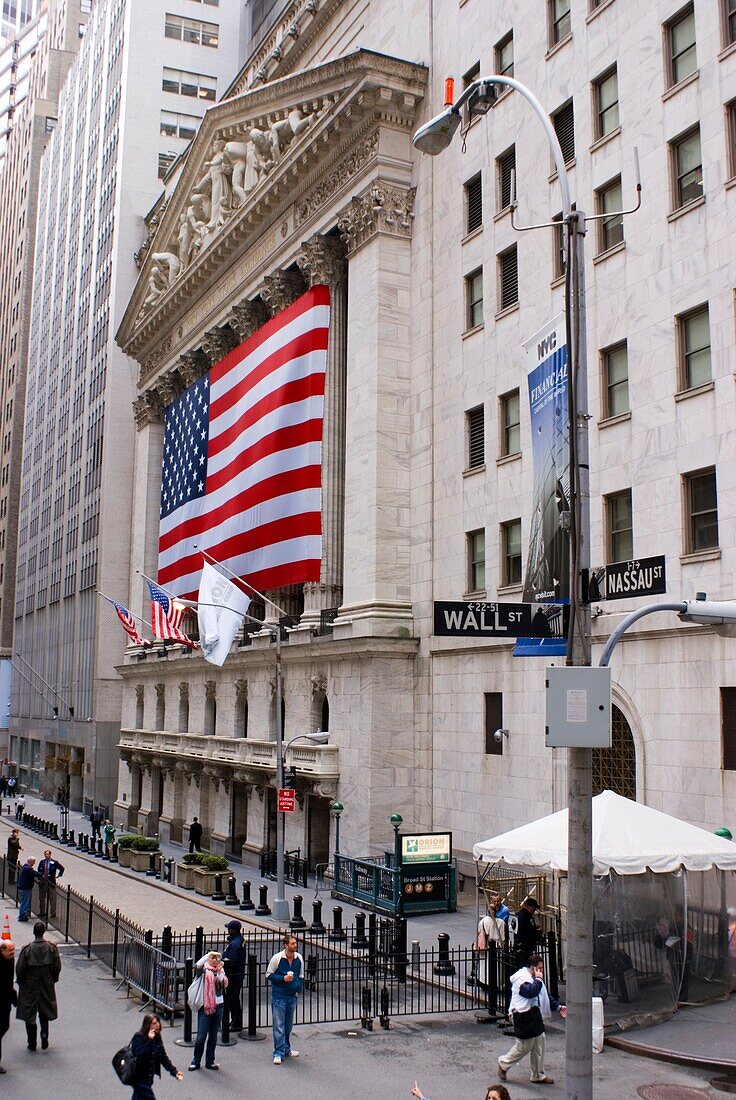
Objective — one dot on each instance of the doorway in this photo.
(318, 832)
(239, 820)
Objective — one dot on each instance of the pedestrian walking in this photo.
(195, 835)
(209, 1016)
(109, 836)
(531, 1005)
(95, 820)
(49, 870)
(150, 1055)
(13, 855)
(493, 1092)
(12, 786)
(233, 958)
(284, 973)
(37, 972)
(20, 807)
(26, 879)
(8, 996)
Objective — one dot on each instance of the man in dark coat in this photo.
(96, 820)
(14, 850)
(26, 879)
(7, 989)
(233, 958)
(49, 870)
(37, 972)
(195, 835)
(526, 935)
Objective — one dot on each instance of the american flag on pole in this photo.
(162, 623)
(242, 465)
(128, 622)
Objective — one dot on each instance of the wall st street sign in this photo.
(457, 619)
(641, 577)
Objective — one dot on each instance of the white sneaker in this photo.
(293, 1054)
(277, 1059)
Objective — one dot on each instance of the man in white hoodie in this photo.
(531, 1004)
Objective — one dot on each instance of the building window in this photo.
(605, 95)
(619, 527)
(614, 769)
(680, 39)
(85, 6)
(510, 423)
(194, 85)
(165, 160)
(476, 561)
(474, 204)
(475, 425)
(728, 727)
(559, 21)
(693, 330)
(701, 505)
(505, 166)
(181, 126)
(474, 299)
(609, 201)
(564, 124)
(504, 55)
(511, 552)
(615, 362)
(508, 278)
(191, 30)
(50, 124)
(729, 20)
(493, 702)
(731, 135)
(687, 168)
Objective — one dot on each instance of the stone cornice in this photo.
(342, 103)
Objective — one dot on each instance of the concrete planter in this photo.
(124, 855)
(204, 881)
(185, 876)
(141, 861)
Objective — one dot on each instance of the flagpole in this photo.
(281, 910)
(131, 613)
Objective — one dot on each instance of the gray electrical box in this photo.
(578, 708)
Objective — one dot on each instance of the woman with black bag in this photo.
(531, 1004)
(148, 1049)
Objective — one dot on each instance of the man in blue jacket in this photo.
(26, 879)
(284, 972)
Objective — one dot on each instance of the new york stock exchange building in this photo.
(302, 190)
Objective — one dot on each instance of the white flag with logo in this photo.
(221, 609)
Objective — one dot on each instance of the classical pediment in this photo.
(257, 155)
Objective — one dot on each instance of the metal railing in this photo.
(296, 869)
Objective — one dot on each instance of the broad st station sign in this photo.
(457, 619)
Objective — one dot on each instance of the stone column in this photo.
(169, 823)
(147, 815)
(247, 317)
(217, 342)
(148, 409)
(219, 810)
(376, 587)
(323, 261)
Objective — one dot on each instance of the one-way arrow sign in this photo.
(455, 619)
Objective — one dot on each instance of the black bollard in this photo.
(337, 932)
(360, 940)
(84, 839)
(232, 896)
(152, 868)
(169, 869)
(55, 832)
(317, 928)
(384, 1017)
(186, 1040)
(71, 842)
(444, 964)
(166, 939)
(297, 921)
(218, 894)
(114, 854)
(246, 903)
(263, 909)
(253, 985)
(100, 853)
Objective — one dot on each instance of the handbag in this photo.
(195, 993)
(529, 1024)
(481, 939)
(124, 1063)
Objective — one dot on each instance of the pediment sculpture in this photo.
(233, 169)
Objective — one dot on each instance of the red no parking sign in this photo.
(286, 798)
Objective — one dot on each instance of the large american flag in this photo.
(242, 459)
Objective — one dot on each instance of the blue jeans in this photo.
(207, 1028)
(24, 903)
(282, 1010)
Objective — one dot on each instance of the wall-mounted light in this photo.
(500, 734)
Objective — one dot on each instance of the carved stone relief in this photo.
(192, 365)
(248, 317)
(383, 208)
(346, 170)
(241, 690)
(323, 260)
(147, 409)
(281, 289)
(319, 684)
(184, 690)
(217, 342)
(210, 689)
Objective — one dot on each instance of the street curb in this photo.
(676, 1057)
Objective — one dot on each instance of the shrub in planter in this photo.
(140, 852)
(215, 863)
(124, 848)
(144, 844)
(196, 858)
(204, 873)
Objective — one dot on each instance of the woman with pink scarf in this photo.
(209, 1017)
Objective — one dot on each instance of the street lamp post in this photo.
(337, 808)
(433, 138)
(281, 905)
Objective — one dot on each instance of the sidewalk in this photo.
(154, 904)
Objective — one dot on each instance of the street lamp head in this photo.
(337, 808)
(319, 737)
(396, 820)
(720, 614)
(435, 136)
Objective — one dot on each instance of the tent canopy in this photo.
(628, 838)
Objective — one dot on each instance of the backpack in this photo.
(481, 939)
(124, 1064)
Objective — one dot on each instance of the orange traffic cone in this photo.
(6, 929)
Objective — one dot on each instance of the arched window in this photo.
(325, 724)
(614, 769)
(139, 707)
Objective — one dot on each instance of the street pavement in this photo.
(450, 1056)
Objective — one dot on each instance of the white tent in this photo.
(628, 838)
